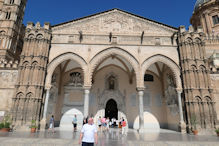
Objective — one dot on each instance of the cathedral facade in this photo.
(114, 64)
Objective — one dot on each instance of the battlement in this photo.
(31, 25)
(4, 64)
(36, 31)
(182, 29)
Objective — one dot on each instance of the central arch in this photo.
(114, 51)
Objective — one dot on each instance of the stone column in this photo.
(182, 124)
(86, 101)
(141, 109)
(43, 121)
(46, 103)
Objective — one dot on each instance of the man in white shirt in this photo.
(88, 133)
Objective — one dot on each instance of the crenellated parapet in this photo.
(38, 32)
(197, 88)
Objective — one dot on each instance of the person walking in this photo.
(51, 124)
(75, 120)
(88, 134)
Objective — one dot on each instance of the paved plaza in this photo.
(110, 138)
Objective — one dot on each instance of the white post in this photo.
(46, 103)
(86, 101)
(182, 123)
(141, 109)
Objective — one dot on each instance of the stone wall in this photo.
(215, 84)
(8, 79)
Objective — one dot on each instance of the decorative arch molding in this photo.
(115, 95)
(99, 57)
(58, 60)
(167, 61)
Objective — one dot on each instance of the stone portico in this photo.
(114, 64)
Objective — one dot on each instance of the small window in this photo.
(148, 78)
(8, 15)
(215, 19)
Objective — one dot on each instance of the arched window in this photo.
(8, 15)
(76, 79)
(148, 78)
(11, 1)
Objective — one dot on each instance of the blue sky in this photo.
(170, 12)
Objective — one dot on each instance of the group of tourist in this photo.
(88, 134)
(103, 123)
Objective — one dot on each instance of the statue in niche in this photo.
(111, 82)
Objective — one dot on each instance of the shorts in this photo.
(50, 125)
(75, 125)
(87, 144)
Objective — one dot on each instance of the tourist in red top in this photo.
(124, 127)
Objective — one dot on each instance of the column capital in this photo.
(140, 88)
(48, 87)
(179, 90)
(86, 87)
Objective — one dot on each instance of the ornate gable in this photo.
(115, 21)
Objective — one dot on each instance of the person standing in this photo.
(107, 123)
(123, 127)
(99, 123)
(103, 120)
(88, 134)
(51, 124)
(75, 120)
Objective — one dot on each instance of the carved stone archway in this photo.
(58, 60)
(112, 94)
(167, 61)
(99, 57)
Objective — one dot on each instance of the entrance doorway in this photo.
(111, 110)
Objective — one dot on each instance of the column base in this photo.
(43, 125)
(142, 130)
(182, 127)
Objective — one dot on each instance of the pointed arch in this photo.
(167, 61)
(58, 60)
(99, 57)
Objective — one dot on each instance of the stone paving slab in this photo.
(65, 142)
(110, 138)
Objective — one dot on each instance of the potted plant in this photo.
(33, 126)
(217, 131)
(5, 124)
(193, 123)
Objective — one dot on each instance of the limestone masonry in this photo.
(114, 64)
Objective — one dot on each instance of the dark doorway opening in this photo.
(111, 110)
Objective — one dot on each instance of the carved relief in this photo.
(114, 21)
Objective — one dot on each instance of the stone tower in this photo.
(11, 28)
(28, 96)
(199, 99)
(206, 15)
